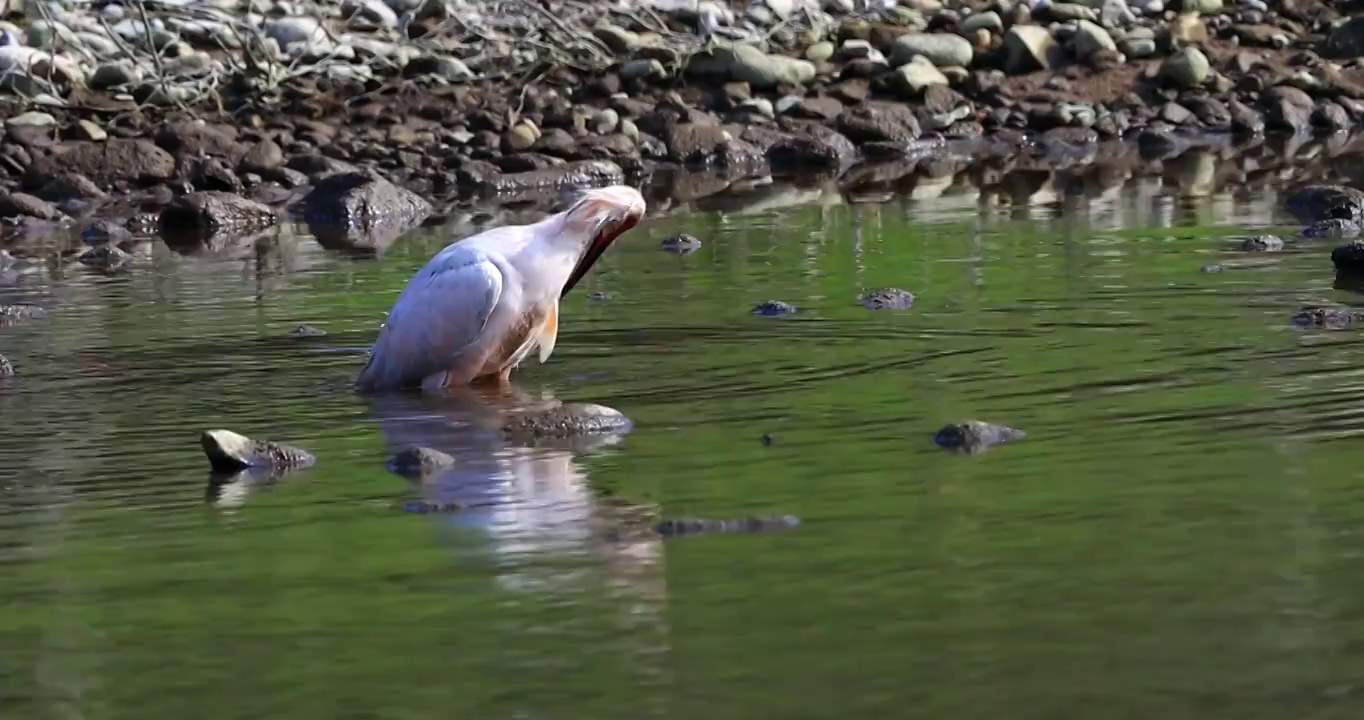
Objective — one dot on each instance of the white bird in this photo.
(484, 303)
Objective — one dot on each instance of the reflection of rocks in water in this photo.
(232, 489)
(681, 244)
(1262, 243)
(212, 222)
(12, 314)
(887, 299)
(1330, 318)
(421, 462)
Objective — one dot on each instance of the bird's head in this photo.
(596, 219)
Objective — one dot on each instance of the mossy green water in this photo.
(1179, 536)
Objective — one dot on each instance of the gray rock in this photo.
(229, 452)
(989, 20)
(773, 308)
(1090, 38)
(972, 436)
(199, 218)
(1345, 40)
(887, 299)
(31, 119)
(914, 76)
(1188, 68)
(369, 14)
(105, 257)
(565, 421)
(1262, 243)
(642, 70)
(420, 462)
(361, 210)
(103, 162)
(680, 244)
(12, 314)
(6, 367)
(115, 74)
(1028, 48)
(14, 205)
(940, 49)
(761, 70)
(289, 30)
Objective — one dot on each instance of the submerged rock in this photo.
(565, 421)
(682, 244)
(1331, 229)
(198, 218)
(772, 308)
(1262, 243)
(418, 462)
(229, 452)
(106, 257)
(6, 368)
(306, 331)
(974, 436)
(1331, 318)
(887, 299)
(1349, 257)
(361, 210)
(708, 526)
(101, 232)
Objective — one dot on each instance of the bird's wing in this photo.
(443, 311)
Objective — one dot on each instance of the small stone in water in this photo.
(101, 232)
(307, 331)
(6, 368)
(599, 296)
(1214, 268)
(229, 452)
(888, 299)
(1262, 243)
(972, 436)
(1331, 318)
(681, 244)
(774, 307)
(107, 257)
(767, 439)
(417, 462)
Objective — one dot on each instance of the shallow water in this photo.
(1180, 536)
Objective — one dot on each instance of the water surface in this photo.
(1181, 535)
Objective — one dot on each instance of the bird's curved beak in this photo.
(613, 217)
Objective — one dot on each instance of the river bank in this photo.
(468, 104)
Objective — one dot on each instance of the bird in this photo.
(483, 304)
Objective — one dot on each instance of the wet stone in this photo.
(419, 462)
(1349, 257)
(971, 436)
(682, 244)
(101, 232)
(599, 296)
(306, 331)
(6, 367)
(887, 299)
(1262, 243)
(106, 257)
(1331, 318)
(566, 421)
(773, 308)
(229, 452)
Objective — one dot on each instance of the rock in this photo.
(587, 173)
(887, 299)
(1262, 243)
(105, 257)
(88, 130)
(13, 205)
(757, 68)
(31, 119)
(369, 14)
(1333, 229)
(103, 162)
(304, 332)
(1349, 257)
(972, 436)
(1188, 68)
(1345, 40)
(289, 30)
(642, 70)
(69, 186)
(605, 122)
(772, 308)
(196, 218)
(877, 121)
(819, 52)
(1330, 318)
(565, 421)
(678, 527)
(229, 452)
(196, 140)
(420, 462)
(115, 74)
(101, 232)
(361, 210)
(262, 157)
(1288, 108)
(1245, 120)
(6, 367)
(940, 49)
(990, 21)
(1330, 117)
(1090, 38)
(915, 76)
(1028, 48)
(681, 244)
(692, 143)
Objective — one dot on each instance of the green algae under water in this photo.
(1180, 536)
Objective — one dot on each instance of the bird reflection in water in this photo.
(528, 501)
